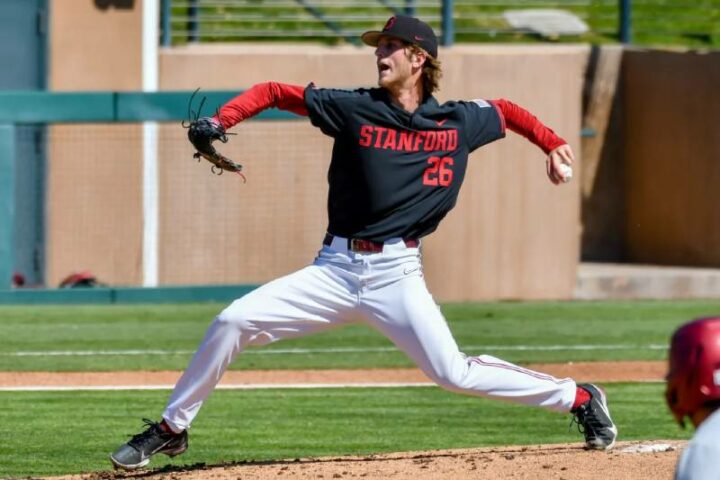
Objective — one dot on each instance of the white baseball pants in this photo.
(387, 291)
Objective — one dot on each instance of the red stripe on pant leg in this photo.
(515, 368)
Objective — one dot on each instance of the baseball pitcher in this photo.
(398, 161)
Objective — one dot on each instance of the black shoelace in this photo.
(142, 439)
(584, 417)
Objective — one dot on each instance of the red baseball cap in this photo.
(407, 29)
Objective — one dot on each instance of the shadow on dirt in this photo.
(168, 470)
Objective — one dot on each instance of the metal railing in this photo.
(695, 22)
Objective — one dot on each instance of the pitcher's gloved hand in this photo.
(202, 133)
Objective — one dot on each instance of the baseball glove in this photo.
(202, 133)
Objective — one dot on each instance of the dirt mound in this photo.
(628, 460)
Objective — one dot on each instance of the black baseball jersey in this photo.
(395, 173)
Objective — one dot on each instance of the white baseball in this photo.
(566, 172)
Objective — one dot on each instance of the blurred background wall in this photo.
(644, 189)
(672, 157)
(94, 217)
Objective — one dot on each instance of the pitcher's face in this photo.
(394, 66)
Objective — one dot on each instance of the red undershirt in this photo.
(291, 98)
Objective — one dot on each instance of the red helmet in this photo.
(693, 378)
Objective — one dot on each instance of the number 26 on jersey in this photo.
(439, 172)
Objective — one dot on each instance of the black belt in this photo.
(368, 246)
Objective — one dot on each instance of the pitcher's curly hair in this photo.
(432, 70)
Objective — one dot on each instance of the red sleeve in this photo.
(261, 97)
(526, 124)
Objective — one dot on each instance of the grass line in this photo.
(340, 350)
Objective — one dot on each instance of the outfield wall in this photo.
(217, 230)
(92, 48)
(672, 151)
(512, 235)
(94, 203)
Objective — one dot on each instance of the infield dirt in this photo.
(538, 462)
(580, 371)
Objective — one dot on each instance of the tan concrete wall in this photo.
(512, 235)
(94, 206)
(672, 152)
(602, 178)
(94, 49)
(218, 230)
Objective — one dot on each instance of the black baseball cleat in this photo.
(593, 419)
(137, 452)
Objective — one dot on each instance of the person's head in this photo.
(693, 379)
(406, 51)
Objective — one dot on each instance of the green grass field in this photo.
(692, 23)
(107, 338)
(46, 433)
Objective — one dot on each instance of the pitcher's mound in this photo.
(628, 460)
